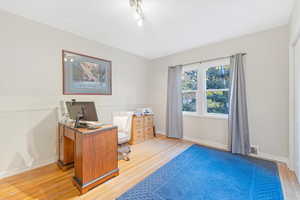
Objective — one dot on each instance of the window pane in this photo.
(189, 80)
(217, 77)
(189, 101)
(217, 102)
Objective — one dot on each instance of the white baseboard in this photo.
(217, 145)
(160, 132)
(271, 157)
(207, 143)
(291, 164)
(13, 172)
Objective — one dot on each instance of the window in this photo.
(217, 87)
(189, 90)
(205, 88)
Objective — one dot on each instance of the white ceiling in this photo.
(171, 25)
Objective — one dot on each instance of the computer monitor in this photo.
(86, 110)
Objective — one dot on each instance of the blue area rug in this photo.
(207, 174)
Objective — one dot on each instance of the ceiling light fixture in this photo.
(136, 5)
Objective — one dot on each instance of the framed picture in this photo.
(85, 75)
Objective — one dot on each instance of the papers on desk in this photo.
(91, 123)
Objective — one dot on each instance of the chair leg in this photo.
(126, 158)
(123, 152)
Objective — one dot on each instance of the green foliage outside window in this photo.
(218, 77)
(189, 80)
(217, 87)
(189, 83)
(189, 102)
(217, 102)
(217, 84)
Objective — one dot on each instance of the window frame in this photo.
(201, 92)
(198, 91)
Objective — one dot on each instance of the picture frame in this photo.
(86, 75)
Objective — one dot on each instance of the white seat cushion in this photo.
(123, 137)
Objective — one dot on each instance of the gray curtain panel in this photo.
(174, 103)
(238, 114)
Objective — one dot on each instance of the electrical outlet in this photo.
(254, 150)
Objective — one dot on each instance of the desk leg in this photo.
(66, 151)
(85, 188)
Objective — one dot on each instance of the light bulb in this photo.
(136, 15)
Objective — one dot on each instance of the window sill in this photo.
(208, 116)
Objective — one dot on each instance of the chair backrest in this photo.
(124, 122)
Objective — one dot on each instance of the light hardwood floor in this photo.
(51, 183)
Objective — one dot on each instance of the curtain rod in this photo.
(208, 60)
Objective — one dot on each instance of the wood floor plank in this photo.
(50, 183)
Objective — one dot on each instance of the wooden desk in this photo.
(93, 153)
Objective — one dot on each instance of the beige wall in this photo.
(31, 88)
(267, 91)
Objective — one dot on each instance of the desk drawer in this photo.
(138, 133)
(138, 136)
(148, 121)
(148, 132)
(69, 133)
(138, 122)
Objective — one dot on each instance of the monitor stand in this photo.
(79, 124)
(87, 124)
